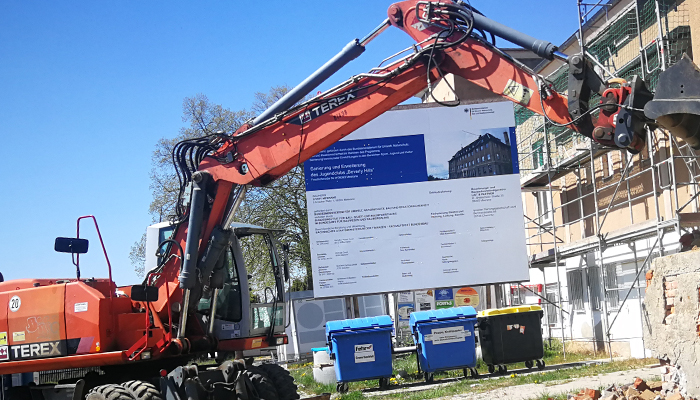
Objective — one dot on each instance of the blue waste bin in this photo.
(445, 340)
(361, 348)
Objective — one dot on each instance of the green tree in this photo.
(137, 256)
(281, 204)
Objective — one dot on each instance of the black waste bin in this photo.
(511, 335)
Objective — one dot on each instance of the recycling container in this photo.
(444, 339)
(361, 348)
(511, 335)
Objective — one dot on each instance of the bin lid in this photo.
(508, 310)
(358, 324)
(441, 315)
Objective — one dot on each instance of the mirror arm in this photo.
(77, 264)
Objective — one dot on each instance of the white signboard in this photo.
(447, 335)
(419, 198)
(364, 353)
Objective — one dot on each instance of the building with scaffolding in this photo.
(596, 217)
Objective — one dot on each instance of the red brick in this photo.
(640, 384)
(670, 293)
(671, 285)
(592, 393)
(647, 395)
(649, 274)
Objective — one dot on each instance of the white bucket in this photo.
(324, 371)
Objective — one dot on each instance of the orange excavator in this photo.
(121, 343)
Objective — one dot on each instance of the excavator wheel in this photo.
(109, 392)
(262, 384)
(282, 380)
(142, 390)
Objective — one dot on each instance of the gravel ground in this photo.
(532, 391)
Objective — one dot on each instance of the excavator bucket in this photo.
(676, 104)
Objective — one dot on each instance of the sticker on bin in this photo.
(448, 335)
(364, 353)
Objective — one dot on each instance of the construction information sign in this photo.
(418, 198)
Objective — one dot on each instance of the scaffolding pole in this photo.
(598, 234)
(554, 235)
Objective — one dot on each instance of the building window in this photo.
(544, 205)
(488, 156)
(594, 287)
(612, 294)
(552, 311)
(537, 154)
(574, 280)
(487, 145)
(482, 148)
(607, 164)
(498, 156)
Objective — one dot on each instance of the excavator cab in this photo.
(243, 307)
(247, 308)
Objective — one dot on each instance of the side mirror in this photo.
(71, 245)
(144, 293)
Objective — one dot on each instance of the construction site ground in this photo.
(557, 379)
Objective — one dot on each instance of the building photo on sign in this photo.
(418, 198)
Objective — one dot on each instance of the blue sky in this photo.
(88, 87)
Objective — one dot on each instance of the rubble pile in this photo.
(638, 390)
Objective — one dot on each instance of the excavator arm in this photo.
(262, 153)
(451, 38)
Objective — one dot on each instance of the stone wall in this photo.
(672, 311)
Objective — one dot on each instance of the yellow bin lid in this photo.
(508, 310)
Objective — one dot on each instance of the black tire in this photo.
(282, 380)
(342, 387)
(262, 384)
(529, 364)
(429, 377)
(383, 383)
(540, 364)
(492, 369)
(142, 390)
(109, 392)
(502, 369)
(474, 372)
